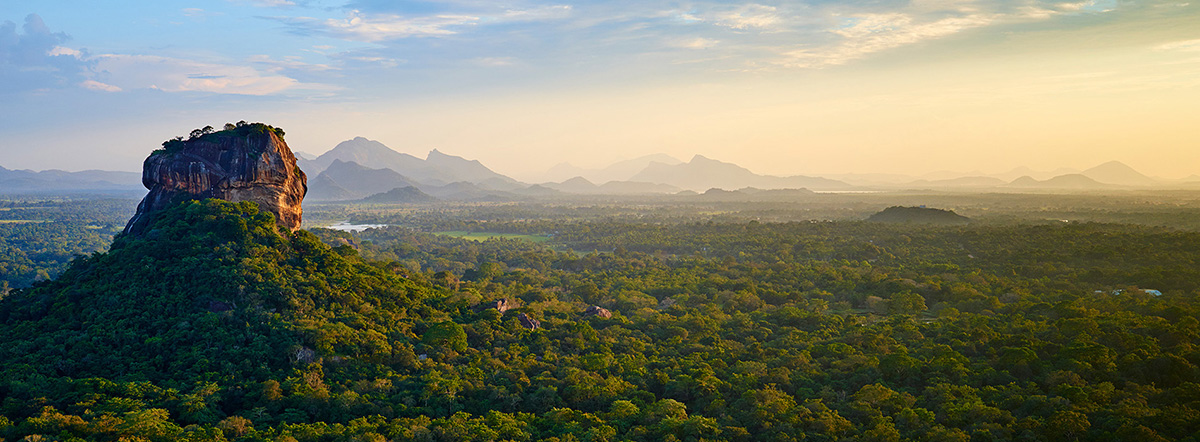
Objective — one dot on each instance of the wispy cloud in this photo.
(267, 3)
(1180, 46)
(752, 16)
(373, 28)
(538, 13)
(494, 61)
(98, 86)
(128, 72)
(870, 33)
(289, 62)
(364, 26)
(694, 43)
(862, 34)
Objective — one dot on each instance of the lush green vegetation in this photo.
(39, 237)
(484, 236)
(240, 129)
(222, 328)
(918, 215)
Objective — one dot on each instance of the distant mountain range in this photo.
(619, 171)
(702, 173)
(1072, 181)
(366, 170)
(28, 181)
(436, 169)
(1115, 172)
(580, 185)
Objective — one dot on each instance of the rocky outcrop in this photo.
(246, 163)
(596, 310)
(501, 305)
(529, 323)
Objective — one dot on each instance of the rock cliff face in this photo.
(249, 163)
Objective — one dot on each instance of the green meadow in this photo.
(484, 236)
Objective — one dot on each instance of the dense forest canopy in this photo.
(223, 328)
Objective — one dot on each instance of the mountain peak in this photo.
(1116, 172)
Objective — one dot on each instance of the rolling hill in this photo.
(702, 173)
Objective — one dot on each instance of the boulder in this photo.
(596, 310)
(529, 323)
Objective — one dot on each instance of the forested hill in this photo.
(195, 316)
(918, 215)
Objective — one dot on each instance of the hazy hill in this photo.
(437, 169)
(355, 179)
(537, 190)
(465, 191)
(635, 188)
(918, 215)
(323, 188)
(1035, 174)
(580, 185)
(1072, 181)
(23, 181)
(365, 152)
(1116, 172)
(749, 194)
(574, 185)
(703, 173)
(458, 168)
(968, 181)
(619, 171)
(400, 195)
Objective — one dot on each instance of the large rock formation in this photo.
(249, 162)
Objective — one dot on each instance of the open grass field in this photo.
(483, 236)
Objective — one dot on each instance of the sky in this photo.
(781, 87)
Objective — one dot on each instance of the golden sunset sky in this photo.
(800, 87)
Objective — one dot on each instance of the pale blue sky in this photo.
(811, 87)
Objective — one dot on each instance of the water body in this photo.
(347, 227)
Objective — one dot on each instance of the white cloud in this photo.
(290, 62)
(267, 3)
(870, 33)
(749, 16)
(548, 12)
(495, 61)
(178, 75)
(1179, 46)
(375, 28)
(98, 86)
(60, 50)
(380, 61)
(864, 34)
(695, 43)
